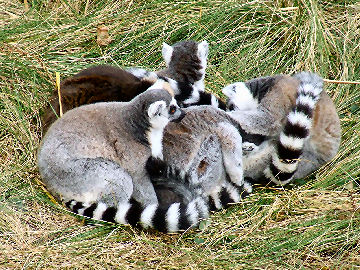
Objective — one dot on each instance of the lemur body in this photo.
(268, 101)
(201, 153)
(85, 159)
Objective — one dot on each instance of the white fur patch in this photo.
(100, 209)
(155, 140)
(299, 118)
(192, 212)
(159, 118)
(284, 167)
(203, 208)
(172, 217)
(122, 210)
(81, 211)
(72, 204)
(167, 52)
(202, 53)
(240, 96)
(232, 155)
(247, 187)
(291, 142)
(309, 88)
(174, 86)
(216, 199)
(214, 101)
(147, 215)
(159, 84)
(306, 100)
(142, 73)
(195, 96)
(233, 192)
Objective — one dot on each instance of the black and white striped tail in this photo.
(296, 130)
(174, 218)
(229, 194)
(188, 96)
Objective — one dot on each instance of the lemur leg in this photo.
(231, 145)
(91, 179)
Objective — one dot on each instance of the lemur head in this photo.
(186, 60)
(157, 107)
(239, 97)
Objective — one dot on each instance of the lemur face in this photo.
(239, 97)
(160, 114)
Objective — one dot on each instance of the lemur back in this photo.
(267, 102)
(95, 84)
(186, 61)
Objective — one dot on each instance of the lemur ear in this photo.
(167, 52)
(203, 50)
(156, 108)
(229, 91)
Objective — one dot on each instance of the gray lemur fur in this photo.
(94, 159)
(185, 70)
(85, 158)
(260, 106)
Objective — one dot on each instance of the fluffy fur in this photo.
(95, 84)
(299, 117)
(186, 63)
(86, 161)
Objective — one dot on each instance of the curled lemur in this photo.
(260, 106)
(198, 162)
(205, 148)
(86, 161)
(95, 84)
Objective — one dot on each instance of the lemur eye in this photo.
(172, 109)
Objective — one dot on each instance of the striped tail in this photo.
(229, 194)
(176, 217)
(289, 148)
(188, 95)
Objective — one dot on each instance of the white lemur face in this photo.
(160, 114)
(240, 97)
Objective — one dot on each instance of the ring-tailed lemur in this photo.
(260, 106)
(185, 67)
(94, 159)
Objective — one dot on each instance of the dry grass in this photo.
(314, 224)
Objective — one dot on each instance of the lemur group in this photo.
(156, 149)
